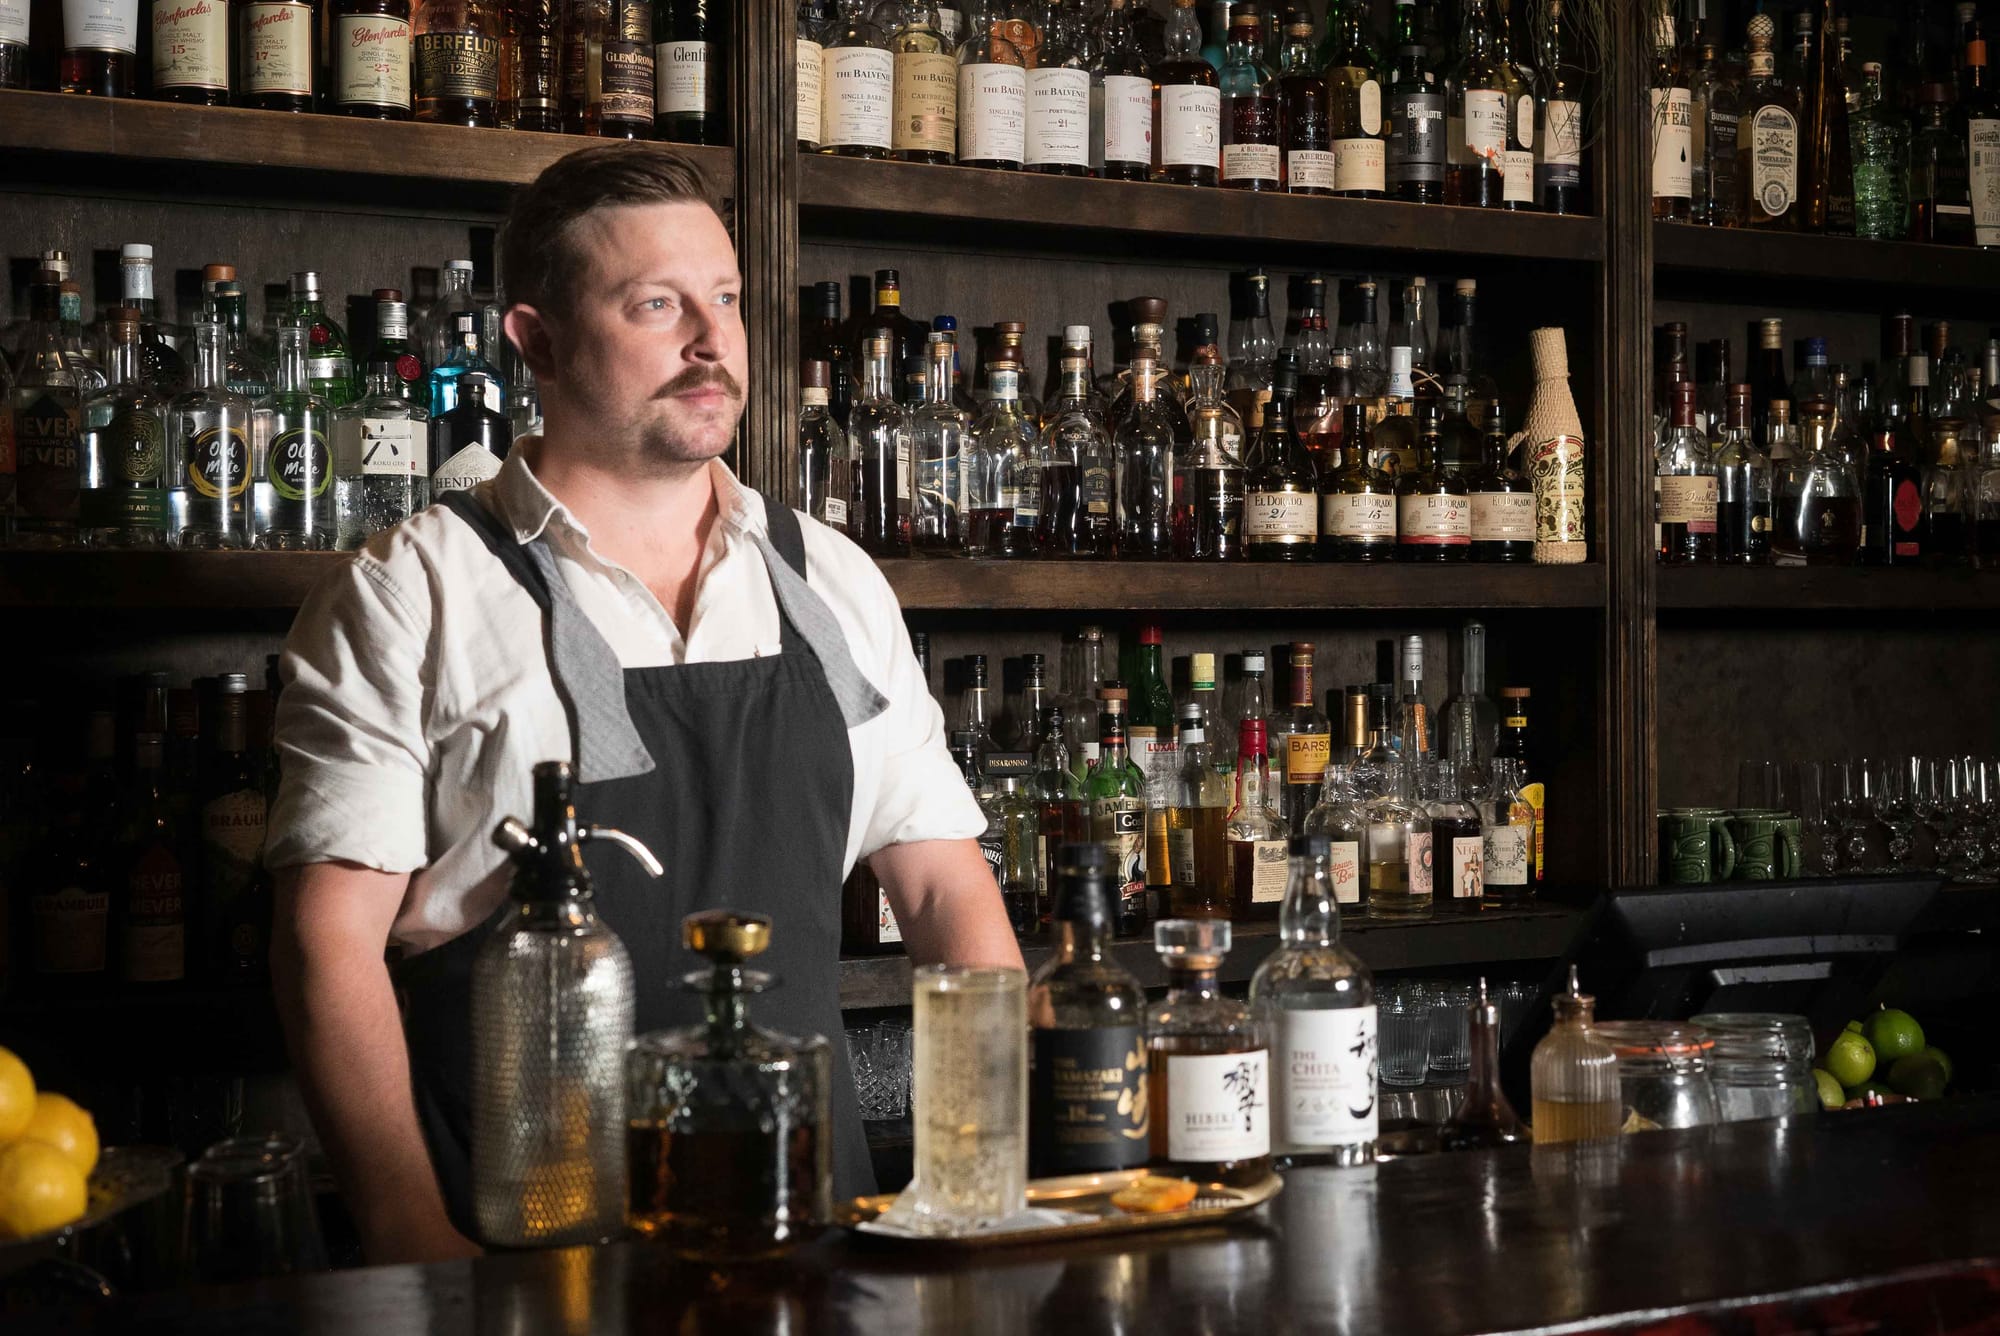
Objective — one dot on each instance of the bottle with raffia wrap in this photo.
(1554, 439)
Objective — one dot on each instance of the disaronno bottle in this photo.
(1554, 451)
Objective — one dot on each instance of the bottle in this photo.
(1339, 820)
(1415, 118)
(1146, 446)
(381, 458)
(1082, 674)
(531, 68)
(1458, 350)
(437, 330)
(1687, 487)
(1304, 111)
(1411, 332)
(1122, 111)
(1116, 791)
(858, 80)
(1880, 138)
(1816, 495)
(1357, 337)
(1352, 70)
(1507, 836)
(1458, 847)
(1940, 179)
(232, 816)
(64, 900)
(123, 503)
(1061, 812)
(1255, 831)
(1004, 489)
(1743, 489)
(1471, 728)
(1501, 497)
(292, 499)
(1021, 721)
(329, 367)
(1302, 741)
(992, 98)
(1892, 492)
(393, 355)
(1399, 842)
(1253, 346)
(615, 86)
(823, 338)
(1768, 146)
(1281, 485)
(190, 44)
(552, 980)
(1208, 1077)
(975, 711)
(277, 44)
(1513, 746)
(1187, 119)
(1574, 1075)
(1316, 1003)
(213, 453)
(691, 79)
(879, 430)
(809, 69)
(1253, 132)
(1197, 822)
(907, 338)
(1088, 1103)
(1560, 102)
(1554, 449)
(1152, 701)
(1414, 739)
(1670, 107)
(149, 878)
(14, 50)
(1433, 510)
(1827, 156)
(938, 439)
(1517, 158)
(1011, 840)
(826, 465)
(455, 57)
(1715, 108)
(1358, 501)
(444, 385)
(1209, 472)
(468, 440)
(159, 365)
(1059, 94)
(1950, 480)
(1484, 1118)
(1480, 112)
(1078, 467)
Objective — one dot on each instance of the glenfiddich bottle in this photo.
(455, 52)
(1281, 487)
(1209, 1065)
(690, 71)
(1088, 1106)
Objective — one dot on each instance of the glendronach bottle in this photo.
(100, 46)
(1058, 136)
(1414, 119)
(1670, 109)
(1187, 116)
(124, 500)
(1208, 1081)
(190, 51)
(455, 56)
(608, 68)
(1316, 1001)
(1088, 1105)
(532, 75)
(1121, 100)
(992, 97)
(1353, 68)
(1304, 118)
(690, 71)
(925, 128)
(1251, 156)
(277, 45)
(371, 72)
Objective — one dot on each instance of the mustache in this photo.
(697, 377)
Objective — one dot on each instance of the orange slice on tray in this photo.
(1154, 1196)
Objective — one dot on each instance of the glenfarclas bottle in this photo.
(371, 73)
(190, 51)
(276, 43)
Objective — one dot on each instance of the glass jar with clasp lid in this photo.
(1761, 1064)
(1662, 1073)
(729, 1136)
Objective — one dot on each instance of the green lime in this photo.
(1831, 1096)
(1894, 1034)
(1943, 1059)
(1854, 1026)
(1919, 1076)
(1850, 1059)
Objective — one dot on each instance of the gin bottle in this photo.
(1116, 790)
(44, 411)
(1340, 820)
(1208, 1076)
(124, 499)
(381, 459)
(1316, 1002)
(214, 450)
(329, 364)
(292, 498)
(938, 444)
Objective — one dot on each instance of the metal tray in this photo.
(123, 1178)
(1087, 1194)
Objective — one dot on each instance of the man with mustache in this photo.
(732, 682)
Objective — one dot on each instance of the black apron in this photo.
(747, 808)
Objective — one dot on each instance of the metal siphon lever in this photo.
(640, 853)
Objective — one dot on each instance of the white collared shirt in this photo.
(417, 697)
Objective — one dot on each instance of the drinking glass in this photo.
(970, 1108)
(250, 1212)
(1811, 782)
(1982, 780)
(1889, 781)
(1762, 785)
(1449, 1027)
(1848, 785)
(1966, 800)
(1933, 792)
(1403, 1023)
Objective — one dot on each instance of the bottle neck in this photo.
(210, 364)
(292, 361)
(123, 367)
(937, 389)
(1081, 939)
(1183, 35)
(1309, 916)
(1184, 980)
(875, 377)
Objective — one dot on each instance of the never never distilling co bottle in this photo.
(214, 453)
(292, 500)
(124, 497)
(1209, 1078)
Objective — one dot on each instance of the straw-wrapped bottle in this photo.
(1553, 437)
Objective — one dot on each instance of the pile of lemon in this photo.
(48, 1146)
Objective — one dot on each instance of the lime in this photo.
(1831, 1096)
(1919, 1076)
(1894, 1034)
(1855, 1026)
(1943, 1059)
(1850, 1059)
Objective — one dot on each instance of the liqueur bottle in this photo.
(1301, 742)
(1208, 1078)
(1316, 1002)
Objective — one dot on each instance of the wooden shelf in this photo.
(1012, 210)
(1826, 589)
(1824, 272)
(1447, 941)
(172, 580)
(130, 143)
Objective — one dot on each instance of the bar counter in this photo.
(1884, 1213)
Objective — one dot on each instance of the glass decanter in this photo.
(728, 1131)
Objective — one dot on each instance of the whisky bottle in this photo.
(531, 70)
(371, 72)
(938, 442)
(879, 428)
(14, 58)
(1560, 133)
(1208, 1078)
(1116, 791)
(1503, 500)
(1358, 502)
(1687, 486)
(1715, 105)
(191, 49)
(1059, 93)
(1146, 446)
(1122, 114)
(907, 338)
(1281, 485)
(1197, 843)
(809, 68)
(1415, 119)
(212, 452)
(1251, 156)
(1187, 121)
(100, 49)
(1255, 831)
(1979, 114)
(124, 500)
(1088, 1106)
(1767, 144)
(1480, 111)
(1670, 110)
(1078, 466)
(1209, 474)
(1433, 507)
(1517, 157)
(826, 466)
(1316, 1002)
(691, 64)
(455, 53)
(1352, 67)
(1304, 115)
(1004, 490)
(992, 98)
(858, 83)
(1743, 489)
(620, 100)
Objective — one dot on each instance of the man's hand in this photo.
(946, 903)
(330, 928)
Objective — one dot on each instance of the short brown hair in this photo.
(537, 260)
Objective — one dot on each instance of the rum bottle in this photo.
(1281, 485)
(1208, 1078)
(1358, 501)
(1743, 489)
(1187, 116)
(1574, 1076)
(1433, 505)
(1687, 486)
(1502, 498)
(1116, 791)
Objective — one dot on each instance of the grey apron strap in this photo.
(784, 552)
(587, 673)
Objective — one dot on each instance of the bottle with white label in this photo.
(1306, 135)
(992, 100)
(275, 50)
(1480, 112)
(191, 50)
(1560, 134)
(1121, 100)
(1457, 850)
(1507, 835)
(1255, 831)
(690, 72)
(1187, 149)
(1316, 1002)
(1433, 508)
(1399, 842)
(1059, 94)
(1281, 484)
(1353, 77)
(1768, 141)
(14, 64)
(809, 68)
(1517, 155)
(100, 46)
(926, 95)
(1251, 156)
(1208, 1065)
(381, 450)
(857, 86)
(1670, 110)
(1339, 818)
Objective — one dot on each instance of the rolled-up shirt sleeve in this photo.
(351, 742)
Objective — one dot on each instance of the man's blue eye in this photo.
(728, 299)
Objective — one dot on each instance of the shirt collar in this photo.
(530, 508)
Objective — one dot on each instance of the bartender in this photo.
(733, 683)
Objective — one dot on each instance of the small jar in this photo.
(1760, 1065)
(1662, 1073)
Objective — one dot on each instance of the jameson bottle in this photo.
(1088, 1110)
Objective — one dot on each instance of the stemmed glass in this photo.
(1959, 858)
(1982, 781)
(1761, 785)
(1812, 783)
(1847, 786)
(1933, 792)
(1889, 797)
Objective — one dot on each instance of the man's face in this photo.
(650, 360)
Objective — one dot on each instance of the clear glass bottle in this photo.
(1062, 814)
(1252, 158)
(292, 499)
(1574, 1076)
(1121, 100)
(1255, 831)
(124, 498)
(1059, 89)
(1816, 499)
(879, 430)
(925, 123)
(1458, 849)
(1197, 822)
(45, 408)
(858, 85)
(1339, 818)
(1208, 1078)
(937, 441)
(1082, 674)
(381, 459)
(1077, 505)
(1743, 489)
(467, 357)
(1146, 446)
(1359, 337)
(1004, 487)
(1484, 1119)
(1686, 482)
(552, 1003)
(1209, 472)
(159, 365)
(1507, 836)
(1880, 137)
(1471, 727)
(215, 452)
(826, 464)
(1952, 473)
(1399, 842)
(1316, 1002)
(1089, 1109)
(1116, 791)
(1010, 842)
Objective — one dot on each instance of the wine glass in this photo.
(1848, 791)
(1983, 779)
(1762, 785)
(1889, 795)
(1816, 811)
(1931, 793)
(1964, 800)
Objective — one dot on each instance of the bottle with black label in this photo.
(212, 452)
(1117, 792)
(690, 65)
(1009, 843)
(292, 499)
(1088, 1110)
(1414, 120)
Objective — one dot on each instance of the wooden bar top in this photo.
(1886, 1211)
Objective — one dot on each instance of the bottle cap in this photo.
(1302, 654)
(1816, 350)
(1114, 690)
(1514, 693)
(975, 665)
(135, 250)
(1149, 635)
(1201, 670)
(1076, 336)
(466, 265)
(813, 374)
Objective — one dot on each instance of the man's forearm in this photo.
(946, 904)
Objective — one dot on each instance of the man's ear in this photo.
(528, 330)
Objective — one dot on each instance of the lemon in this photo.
(1831, 1096)
(1850, 1059)
(40, 1189)
(17, 1096)
(1894, 1034)
(61, 1122)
